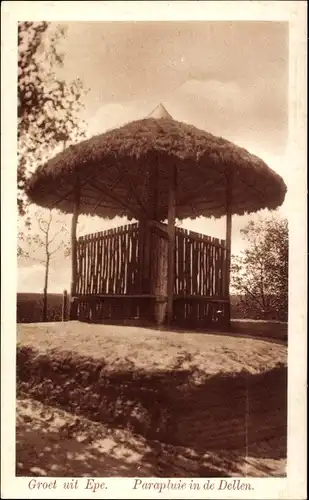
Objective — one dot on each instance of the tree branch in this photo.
(55, 235)
(52, 252)
(41, 227)
(246, 289)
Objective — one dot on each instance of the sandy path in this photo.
(51, 442)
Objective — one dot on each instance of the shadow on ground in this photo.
(53, 443)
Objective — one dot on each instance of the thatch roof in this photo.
(115, 170)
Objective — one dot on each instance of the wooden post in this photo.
(73, 308)
(64, 305)
(149, 253)
(228, 239)
(153, 191)
(171, 245)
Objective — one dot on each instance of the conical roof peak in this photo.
(160, 112)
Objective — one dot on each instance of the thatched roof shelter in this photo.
(152, 170)
(114, 173)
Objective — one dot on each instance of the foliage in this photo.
(260, 272)
(48, 107)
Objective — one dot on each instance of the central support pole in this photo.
(147, 251)
(73, 305)
(171, 244)
(228, 240)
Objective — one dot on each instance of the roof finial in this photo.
(160, 112)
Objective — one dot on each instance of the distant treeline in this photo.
(30, 308)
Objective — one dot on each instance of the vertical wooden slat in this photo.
(216, 271)
(100, 257)
(134, 261)
(132, 270)
(96, 265)
(118, 282)
(116, 250)
(141, 242)
(91, 261)
(86, 264)
(181, 263)
(171, 244)
(197, 246)
(201, 274)
(83, 267)
(126, 243)
(77, 267)
(112, 262)
(129, 257)
(89, 265)
(123, 263)
(81, 256)
(213, 280)
(212, 268)
(108, 262)
(106, 250)
(206, 264)
(92, 264)
(185, 264)
(222, 268)
(194, 267)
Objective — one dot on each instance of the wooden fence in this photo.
(108, 262)
(110, 276)
(200, 264)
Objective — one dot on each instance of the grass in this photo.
(141, 349)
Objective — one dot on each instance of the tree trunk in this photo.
(45, 289)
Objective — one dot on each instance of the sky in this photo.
(229, 78)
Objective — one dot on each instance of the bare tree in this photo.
(49, 242)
